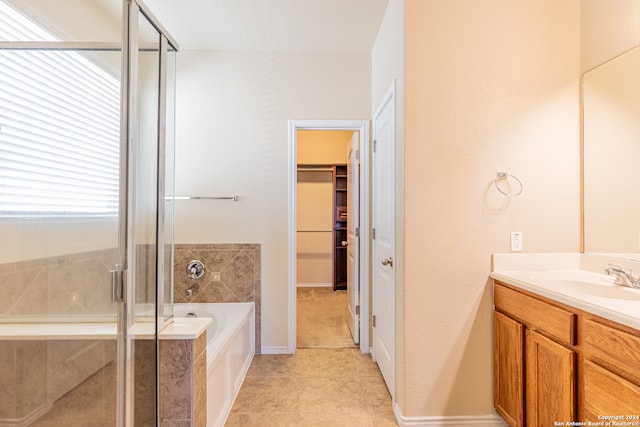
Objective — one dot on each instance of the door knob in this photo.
(344, 243)
(388, 261)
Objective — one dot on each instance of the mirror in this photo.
(611, 102)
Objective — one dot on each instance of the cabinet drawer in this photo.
(536, 314)
(607, 394)
(613, 348)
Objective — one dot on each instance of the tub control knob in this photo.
(195, 269)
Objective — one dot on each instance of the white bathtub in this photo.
(230, 349)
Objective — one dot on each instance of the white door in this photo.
(353, 241)
(384, 239)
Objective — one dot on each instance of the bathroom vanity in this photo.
(566, 343)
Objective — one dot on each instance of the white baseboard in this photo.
(452, 421)
(314, 285)
(274, 350)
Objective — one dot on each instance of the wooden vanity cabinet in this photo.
(611, 372)
(556, 363)
(534, 359)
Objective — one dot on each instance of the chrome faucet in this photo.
(191, 289)
(622, 277)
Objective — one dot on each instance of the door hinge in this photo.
(118, 284)
(374, 320)
(357, 310)
(373, 232)
(357, 231)
(357, 154)
(374, 145)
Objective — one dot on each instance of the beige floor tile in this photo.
(276, 365)
(384, 418)
(263, 420)
(321, 319)
(314, 387)
(376, 392)
(330, 395)
(365, 365)
(336, 419)
(267, 395)
(328, 363)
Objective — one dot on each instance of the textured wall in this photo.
(490, 86)
(232, 125)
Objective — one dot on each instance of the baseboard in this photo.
(274, 350)
(451, 421)
(314, 285)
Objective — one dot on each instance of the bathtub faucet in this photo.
(191, 289)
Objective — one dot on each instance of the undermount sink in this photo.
(586, 283)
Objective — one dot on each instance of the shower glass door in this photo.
(86, 164)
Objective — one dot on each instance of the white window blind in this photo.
(59, 129)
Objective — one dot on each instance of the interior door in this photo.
(353, 241)
(384, 239)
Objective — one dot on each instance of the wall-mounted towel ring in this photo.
(504, 176)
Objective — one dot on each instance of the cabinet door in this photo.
(550, 381)
(605, 393)
(508, 387)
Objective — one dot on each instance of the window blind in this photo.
(59, 129)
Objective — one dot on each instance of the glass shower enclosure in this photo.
(87, 95)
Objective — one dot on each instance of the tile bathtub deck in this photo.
(313, 387)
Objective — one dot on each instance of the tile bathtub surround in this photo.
(238, 267)
(183, 382)
(313, 387)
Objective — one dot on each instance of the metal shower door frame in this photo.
(132, 9)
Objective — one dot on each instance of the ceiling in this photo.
(272, 25)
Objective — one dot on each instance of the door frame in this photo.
(361, 126)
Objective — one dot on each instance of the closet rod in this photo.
(312, 169)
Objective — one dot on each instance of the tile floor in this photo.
(313, 387)
(321, 318)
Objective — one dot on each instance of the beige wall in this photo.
(608, 29)
(232, 125)
(491, 86)
(323, 146)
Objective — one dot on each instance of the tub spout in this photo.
(191, 289)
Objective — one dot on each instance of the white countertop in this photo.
(572, 279)
(179, 328)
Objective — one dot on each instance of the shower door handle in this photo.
(118, 284)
